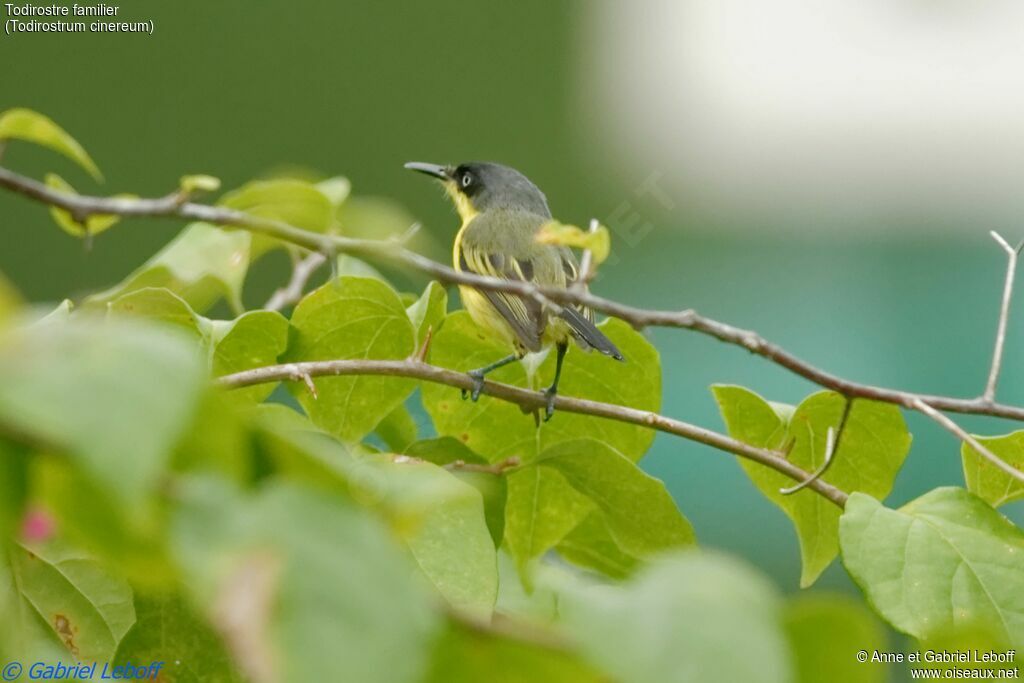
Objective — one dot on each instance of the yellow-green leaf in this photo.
(94, 224)
(984, 479)
(31, 126)
(199, 183)
(869, 454)
(598, 241)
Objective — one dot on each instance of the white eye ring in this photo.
(466, 180)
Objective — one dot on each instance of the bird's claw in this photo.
(549, 402)
(478, 385)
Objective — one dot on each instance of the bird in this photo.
(501, 213)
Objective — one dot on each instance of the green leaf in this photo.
(640, 514)
(94, 224)
(351, 318)
(201, 265)
(295, 202)
(467, 656)
(254, 339)
(397, 429)
(328, 576)
(497, 429)
(168, 631)
(116, 395)
(428, 311)
(451, 542)
(943, 560)
(446, 450)
(191, 184)
(25, 124)
(987, 482)
(869, 454)
(825, 632)
(592, 545)
(86, 608)
(687, 617)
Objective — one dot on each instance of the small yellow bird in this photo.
(502, 212)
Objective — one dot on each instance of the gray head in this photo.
(477, 186)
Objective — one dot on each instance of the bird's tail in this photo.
(585, 329)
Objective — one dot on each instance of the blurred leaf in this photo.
(87, 609)
(169, 631)
(592, 545)
(337, 584)
(467, 656)
(944, 559)
(296, 202)
(374, 218)
(127, 537)
(94, 224)
(987, 482)
(428, 311)
(351, 318)
(293, 201)
(201, 265)
(868, 456)
(598, 242)
(440, 517)
(397, 429)
(826, 632)
(190, 184)
(497, 429)
(31, 126)
(451, 542)
(10, 300)
(446, 450)
(687, 617)
(971, 637)
(538, 604)
(116, 395)
(336, 189)
(640, 513)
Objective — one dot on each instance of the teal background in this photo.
(237, 89)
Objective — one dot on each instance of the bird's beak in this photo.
(440, 172)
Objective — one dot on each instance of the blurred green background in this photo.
(238, 89)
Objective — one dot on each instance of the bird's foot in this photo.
(478, 385)
(549, 402)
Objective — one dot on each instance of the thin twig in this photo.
(292, 292)
(1004, 315)
(955, 429)
(531, 400)
(82, 206)
(832, 438)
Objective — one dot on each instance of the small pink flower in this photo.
(37, 525)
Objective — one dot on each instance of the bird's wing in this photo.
(501, 245)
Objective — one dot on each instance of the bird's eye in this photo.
(467, 179)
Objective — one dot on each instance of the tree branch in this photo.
(1004, 315)
(292, 292)
(955, 429)
(175, 206)
(531, 400)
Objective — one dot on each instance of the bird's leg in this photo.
(478, 375)
(552, 391)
